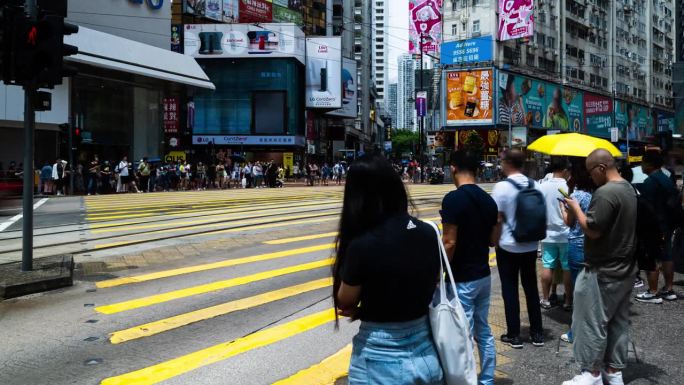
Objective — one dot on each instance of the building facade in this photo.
(406, 93)
(392, 100)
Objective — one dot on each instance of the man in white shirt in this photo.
(516, 260)
(123, 174)
(555, 245)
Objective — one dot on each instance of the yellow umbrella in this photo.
(572, 144)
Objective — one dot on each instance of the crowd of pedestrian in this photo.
(596, 228)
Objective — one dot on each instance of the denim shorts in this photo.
(400, 353)
(553, 254)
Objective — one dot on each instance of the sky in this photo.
(398, 34)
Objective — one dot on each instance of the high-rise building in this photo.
(620, 46)
(406, 93)
(392, 103)
(380, 50)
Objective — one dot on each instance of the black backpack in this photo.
(530, 213)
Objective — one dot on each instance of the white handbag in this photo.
(451, 328)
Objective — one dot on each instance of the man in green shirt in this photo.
(600, 319)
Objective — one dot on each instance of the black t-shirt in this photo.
(397, 265)
(475, 213)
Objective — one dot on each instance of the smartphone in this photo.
(563, 202)
(560, 190)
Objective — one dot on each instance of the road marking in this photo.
(237, 230)
(17, 217)
(325, 373)
(207, 288)
(177, 366)
(210, 266)
(303, 238)
(175, 322)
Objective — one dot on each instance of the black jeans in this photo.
(511, 265)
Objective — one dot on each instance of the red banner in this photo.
(170, 115)
(255, 11)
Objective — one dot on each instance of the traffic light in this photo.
(77, 139)
(51, 50)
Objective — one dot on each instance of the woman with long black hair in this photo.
(385, 274)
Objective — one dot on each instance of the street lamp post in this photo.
(510, 126)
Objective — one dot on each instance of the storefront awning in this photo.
(107, 51)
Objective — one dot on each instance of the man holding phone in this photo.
(555, 245)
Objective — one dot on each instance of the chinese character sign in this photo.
(469, 97)
(170, 117)
(467, 51)
(598, 115)
(255, 11)
(516, 19)
(425, 26)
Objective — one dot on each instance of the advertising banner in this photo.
(490, 139)
(534, 103)
(519, 136)
(213, 9)
(176, 38)
(665, 121)
(467, 51)
(288, 162)
(189, 6)
(248, 140)
(231, 11)
(324, 72)
(349, 90)
(633, 120)
(598, 115)
(287, 15)
(469, 97)
(425, 26)
(244, 40)
(421, 103)
(255, 11)
(516, 19)
(170, 115)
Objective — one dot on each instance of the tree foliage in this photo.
(404, 141)
(474, 143)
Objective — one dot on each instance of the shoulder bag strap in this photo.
(444, 261)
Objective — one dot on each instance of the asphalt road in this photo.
(232, 288)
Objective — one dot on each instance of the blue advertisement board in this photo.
(665, 121)
(467, 51)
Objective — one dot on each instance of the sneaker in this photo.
(667, 295)
(566, 337)
(537, 339)
(638, 283)
(545, 304)
(513, 342)
(648, 297)
(586, 378)
(612, 378)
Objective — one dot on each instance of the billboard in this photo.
(469, 97)
(421, 103)
(598, 115)
(286, 15)
(255, 11)
(665, 121)
(516, 19)
(213, 9)
(349, 90)
(633, 120)
(324, 72)
(467, 51)
(231, 11)
(176, 38)
(243, 41)
(425, 20)
(538, 104)
(273, 140)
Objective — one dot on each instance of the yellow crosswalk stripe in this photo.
(207, 288)
(175, 322)
(210, 266)
(298, 239)
(177, 366)
(325, 373)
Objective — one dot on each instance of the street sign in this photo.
(421, 103)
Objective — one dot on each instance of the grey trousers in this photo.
(600, 321)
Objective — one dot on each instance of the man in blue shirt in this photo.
(469, 216)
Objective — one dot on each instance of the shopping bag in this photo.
(451, 328)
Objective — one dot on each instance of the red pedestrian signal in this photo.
(32, 36)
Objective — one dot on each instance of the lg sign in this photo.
(153, 4)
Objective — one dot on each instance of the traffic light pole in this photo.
(29, 122)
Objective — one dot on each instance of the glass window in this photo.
(269, 112)
(476, 26)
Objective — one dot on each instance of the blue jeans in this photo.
(400, 353)
(475, 297)
(576, 263)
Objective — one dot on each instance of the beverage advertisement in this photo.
(534, 103)
(255, 11)
(213, 9)
(349, 90)
(598, 114)
(516, 19)
(324, 72)
(469, 97)
(633, 120)
(425, 26)
(244, 40)
(231, 11)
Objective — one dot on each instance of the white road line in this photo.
(17, 217)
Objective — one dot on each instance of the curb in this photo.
(49, 273)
